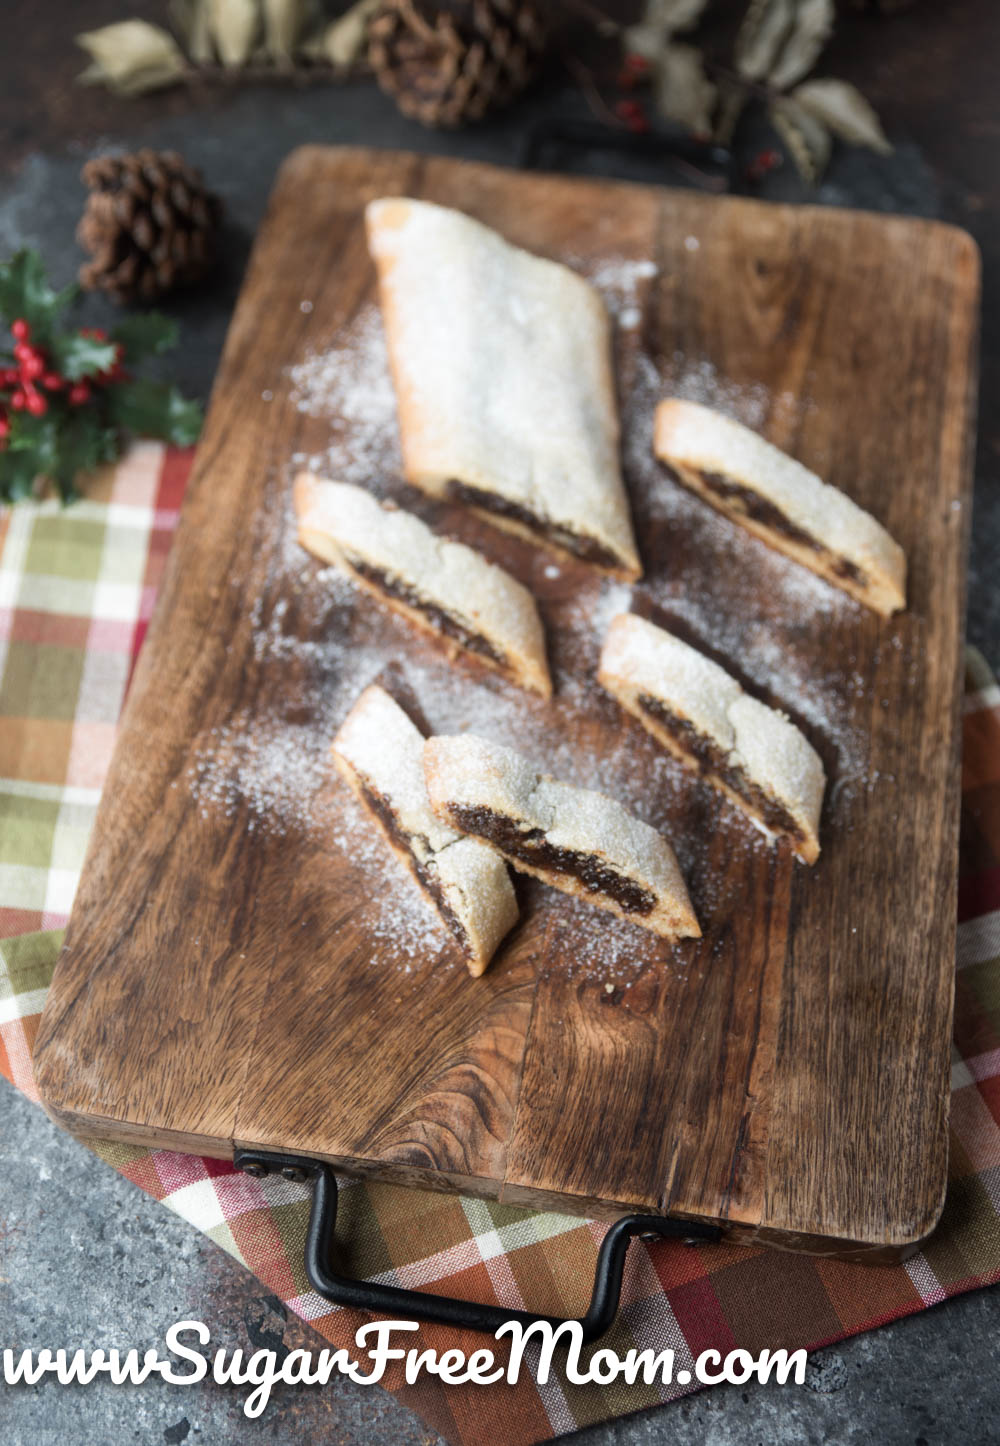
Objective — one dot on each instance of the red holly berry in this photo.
(79, 393)
(37, 405)
(53, 382)
(114, 373)
(762, 163)
(23, 351)
(635, 69)
(18, 400)
(4, 427)
(632, 113)
(20, 330)
(33, 366)
(9, 377)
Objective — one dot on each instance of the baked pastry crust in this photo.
(581, 842)
(379, 750)
(502, 367)
(753, 754)
(782, 502)
(447, 589)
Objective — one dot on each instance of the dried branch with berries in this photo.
(778, 45)
(69, 397)
(449, 62)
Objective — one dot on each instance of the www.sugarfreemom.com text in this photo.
(186, 1364)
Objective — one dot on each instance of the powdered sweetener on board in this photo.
(279, 774)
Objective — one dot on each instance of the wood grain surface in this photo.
(787, 1075)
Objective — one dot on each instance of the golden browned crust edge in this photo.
(808, 852)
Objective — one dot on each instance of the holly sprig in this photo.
(69, 396)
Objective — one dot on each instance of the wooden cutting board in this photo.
(247, 964)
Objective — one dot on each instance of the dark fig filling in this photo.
(750, 503)
(587, 549)
(713, 762)
(386, 815)
(444, 622)
(532, 847)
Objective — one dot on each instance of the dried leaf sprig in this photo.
(225, 39)
(69, 397)
(776, 48)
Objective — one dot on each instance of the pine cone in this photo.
(448, 63)
(149, 225)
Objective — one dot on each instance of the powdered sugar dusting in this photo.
(622, 283)
(349, 385)
(605, 948)
(319, 640)
(615, 598)
(696, 379)
(267, 769)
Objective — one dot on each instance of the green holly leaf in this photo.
(155, 409)
(78, 356)
(32, 452)
(145, 334)
(85, 441)
(37, 438)
(17, 476)
(25, 292)
(58, 446)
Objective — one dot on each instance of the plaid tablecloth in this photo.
(76, 591)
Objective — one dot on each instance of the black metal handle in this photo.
(391, 1300)
(702, 159)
